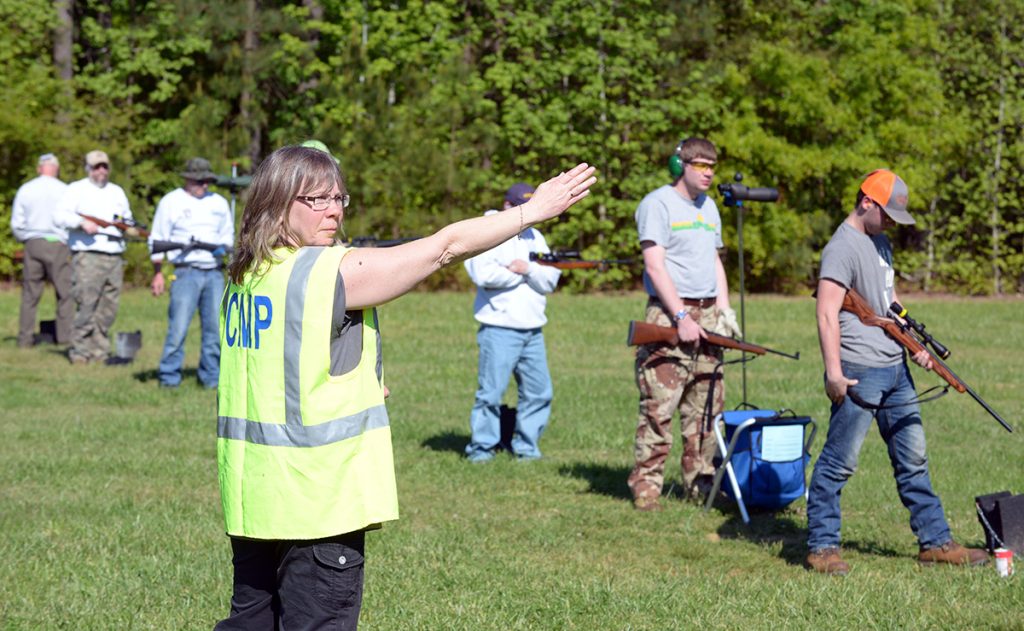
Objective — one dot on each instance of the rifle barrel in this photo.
(974, 395)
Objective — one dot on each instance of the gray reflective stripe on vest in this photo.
(286, 435)
(294, 313)
(380, 351)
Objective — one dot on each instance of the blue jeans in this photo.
(901, 429)
(193, 289)
(503, 353)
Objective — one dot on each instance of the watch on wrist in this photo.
(680, 316)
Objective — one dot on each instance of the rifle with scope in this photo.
(912, 336)
(571, 259)
(647, 333)
(129, 227)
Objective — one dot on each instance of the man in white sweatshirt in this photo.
(97, 266)
(509, 306)
(46, 250)
(186, 215)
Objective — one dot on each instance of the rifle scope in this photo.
(939, 349)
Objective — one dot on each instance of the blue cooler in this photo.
(765, 454)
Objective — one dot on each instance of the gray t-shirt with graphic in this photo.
(864, 263)
(690, 232)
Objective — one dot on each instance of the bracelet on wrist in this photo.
(680, 316)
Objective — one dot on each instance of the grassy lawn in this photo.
(111, 518)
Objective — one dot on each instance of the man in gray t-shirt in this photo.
(680, 232)
(866, 377)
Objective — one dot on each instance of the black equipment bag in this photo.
(1002, 518)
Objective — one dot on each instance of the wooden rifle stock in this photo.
(647, 333)
(131, 230)
(858, 306)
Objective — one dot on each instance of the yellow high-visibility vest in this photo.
(301, 454)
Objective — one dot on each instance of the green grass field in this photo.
(111, 520)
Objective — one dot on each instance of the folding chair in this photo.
(765, 458)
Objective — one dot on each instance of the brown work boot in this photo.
(699, 490)
(827, 561)
(953, 553)
(647, 504)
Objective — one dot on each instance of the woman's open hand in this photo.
(553, 197)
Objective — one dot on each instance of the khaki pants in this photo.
(96, 286)
(45, 261)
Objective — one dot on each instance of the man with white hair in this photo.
(46, 250)
(97, 266)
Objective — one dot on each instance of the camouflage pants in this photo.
(671, 378)
(96, 286)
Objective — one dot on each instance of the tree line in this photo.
(435, 107)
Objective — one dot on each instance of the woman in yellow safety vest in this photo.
(303, 441)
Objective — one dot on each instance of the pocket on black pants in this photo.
(339, 574)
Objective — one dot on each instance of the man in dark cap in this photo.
(866, 378)
(191, 215)
(509, 306)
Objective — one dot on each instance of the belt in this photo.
(700, 303)
(195, 267)
(96, 252)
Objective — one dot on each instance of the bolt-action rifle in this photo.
(914, 340)
(571, 259)
(159, 247)
(129, 227)
(647, 333)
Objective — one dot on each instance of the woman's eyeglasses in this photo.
(321, 203)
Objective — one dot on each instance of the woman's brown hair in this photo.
(281, 177)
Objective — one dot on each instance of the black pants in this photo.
(292, 585)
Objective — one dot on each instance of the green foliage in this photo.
(437, 107)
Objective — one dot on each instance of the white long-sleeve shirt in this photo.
(35, 205)
(181, 217)
(108, 203)
(507, 299)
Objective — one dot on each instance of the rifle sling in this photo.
(921, 398)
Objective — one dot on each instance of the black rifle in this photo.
(159, 247)
(571, 259)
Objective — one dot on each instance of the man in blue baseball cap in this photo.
(510, 301)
